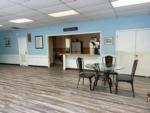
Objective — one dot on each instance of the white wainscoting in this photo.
(38, 60)
(9, 59)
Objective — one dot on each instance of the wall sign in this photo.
(70, 29)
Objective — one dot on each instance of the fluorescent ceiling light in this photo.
(63, 13)
(21, 20)
(121, 3)
(1, 25)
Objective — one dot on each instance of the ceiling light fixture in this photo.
(121, 3)
(1, 25)
(21, 20)
(64, 13)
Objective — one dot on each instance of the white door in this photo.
(125, 46)
(143, 52)
(22, 45)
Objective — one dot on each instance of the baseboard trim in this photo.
(9, 64)
(142, 76)
(71, 69)
(38, 66)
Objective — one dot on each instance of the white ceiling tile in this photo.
(5, 4)
(133, 12)
(100, 14)
(29, 14)
(103, 16)
(41, 4)
(109, 11)
(134, 7)
(15, 9)
(93, 8)
(85, 3)
(74, 18)
(6, 18)
(19, 1)
(53, 9)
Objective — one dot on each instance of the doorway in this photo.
(22, 45)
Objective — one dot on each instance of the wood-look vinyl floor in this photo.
(43, 90)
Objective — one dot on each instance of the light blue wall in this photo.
(108, 28)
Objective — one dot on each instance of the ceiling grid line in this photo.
(38, 11)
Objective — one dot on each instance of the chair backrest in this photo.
(109, 60)
(134, 67)
(80, 64)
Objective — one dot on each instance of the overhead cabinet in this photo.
(134, 44)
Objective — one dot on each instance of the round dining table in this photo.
(106, 70)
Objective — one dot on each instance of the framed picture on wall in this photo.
(108, 40)
(39, 42)
(29, 37)
(7, 42)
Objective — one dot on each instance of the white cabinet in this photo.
(125, 45)
(143, 52)
(134, 44)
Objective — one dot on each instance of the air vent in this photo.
(16, 28)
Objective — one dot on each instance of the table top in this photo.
(103, 66)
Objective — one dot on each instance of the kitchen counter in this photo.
(69, 60)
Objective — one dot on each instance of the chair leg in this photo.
(116, 87)
(90, 80)
(104, 79)
(78, 82)
(132, 89)
(83, 81)
(110, 84)
(95, 82)
(148, 99)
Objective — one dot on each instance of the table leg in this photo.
(109, 80)
(96, 81)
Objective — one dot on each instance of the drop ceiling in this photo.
(38, 11)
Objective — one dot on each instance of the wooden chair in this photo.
(109, 61)
(83, 73)
(128, 78)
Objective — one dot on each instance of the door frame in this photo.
(26, 51)
(66, 34)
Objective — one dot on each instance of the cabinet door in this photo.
(125, 46)
(143, 52)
